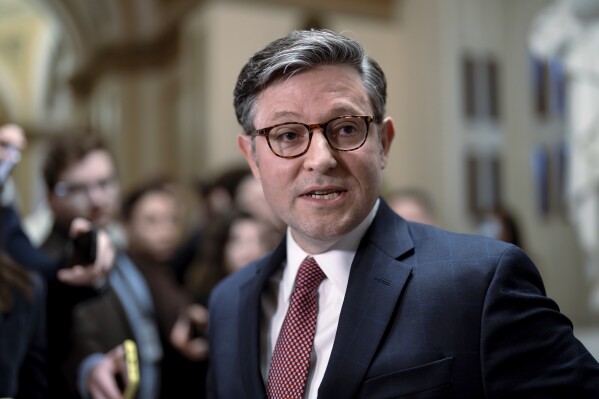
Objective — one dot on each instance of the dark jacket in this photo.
(23, 362)
(62, 299)
(427, 314)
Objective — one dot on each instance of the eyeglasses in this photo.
(292, 139)
(79, 190)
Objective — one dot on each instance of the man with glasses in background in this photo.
(356, 301)
(81, 180)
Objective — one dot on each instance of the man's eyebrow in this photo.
(291, 114)
(345, 110)
(284, 114)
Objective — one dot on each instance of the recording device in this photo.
(13, 156)
(128, 380)
(195, 331)
(83, 248)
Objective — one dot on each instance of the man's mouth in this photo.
(324, 195)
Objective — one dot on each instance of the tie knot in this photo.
(309, 275)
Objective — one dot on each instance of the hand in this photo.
(105, 256)
(102, 381)
(12, 135)
(194, 348)
(12, 142)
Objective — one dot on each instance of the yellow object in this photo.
(132, 368)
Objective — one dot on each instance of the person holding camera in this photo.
(81, 182)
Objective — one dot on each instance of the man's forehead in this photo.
(294, 97)
(99, 161)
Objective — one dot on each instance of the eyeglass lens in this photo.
(64, 189)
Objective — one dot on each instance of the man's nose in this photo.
(96, 193)
(320, 155)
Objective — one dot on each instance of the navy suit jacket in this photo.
(427, 314)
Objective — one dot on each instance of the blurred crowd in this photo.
(148, 265)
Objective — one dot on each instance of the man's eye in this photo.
(286, 135)
(347, 129)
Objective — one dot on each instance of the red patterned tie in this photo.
(291, 357)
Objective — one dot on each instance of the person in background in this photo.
(413, 205)
(81, 178)
(500, 224)
(19, 248)
(141, 303)
(231, 241)
(215, 196)
(81, 181)
(249, 197)
(242, 231)
(220, 193)
(357, 302)
(248, 239)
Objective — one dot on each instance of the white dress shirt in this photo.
(335, 263)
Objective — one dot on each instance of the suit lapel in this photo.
(250, 307)
(376, 281)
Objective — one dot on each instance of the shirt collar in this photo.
(335, 262)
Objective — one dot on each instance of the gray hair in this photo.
(300, 51)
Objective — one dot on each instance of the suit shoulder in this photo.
(233, 282)
(464, 253)
(457, 240)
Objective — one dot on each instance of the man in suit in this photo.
(404, 309)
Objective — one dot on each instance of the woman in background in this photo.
(231, 241)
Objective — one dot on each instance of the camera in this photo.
(82, 250)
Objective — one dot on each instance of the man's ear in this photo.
(244, 142)
(387, 134)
